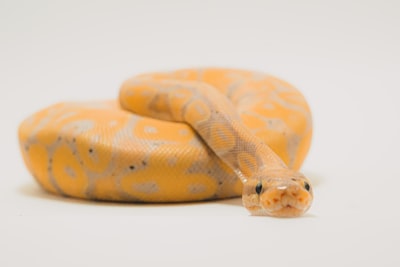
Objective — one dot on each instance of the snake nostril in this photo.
(300, 199)
(275, 200)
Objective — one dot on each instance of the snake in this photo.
(186, 135)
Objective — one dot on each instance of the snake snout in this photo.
(286, 200)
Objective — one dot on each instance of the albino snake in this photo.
(188, 135)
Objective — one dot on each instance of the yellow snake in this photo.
(187, 135)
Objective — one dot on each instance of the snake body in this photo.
(186, 135)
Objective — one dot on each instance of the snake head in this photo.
(278, 193)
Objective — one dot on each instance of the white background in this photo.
(343, 55)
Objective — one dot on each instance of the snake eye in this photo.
(259, 188)
(307, 186)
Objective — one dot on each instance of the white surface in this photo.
(343, 55)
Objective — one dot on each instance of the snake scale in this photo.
(185, 135)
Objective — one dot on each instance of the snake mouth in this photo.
(287, 211)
